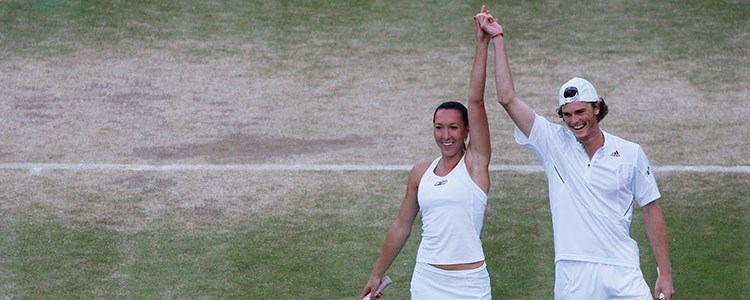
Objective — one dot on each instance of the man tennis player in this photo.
(594, 180)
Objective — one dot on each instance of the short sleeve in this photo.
(544, 137)
(644, 182)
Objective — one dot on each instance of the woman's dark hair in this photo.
(454, 105)
(603, 109)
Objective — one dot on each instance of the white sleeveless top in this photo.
(452, 208)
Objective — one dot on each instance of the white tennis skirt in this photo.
(429, 282)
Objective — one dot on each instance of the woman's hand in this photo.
(371, 287)
(489, 23)
(482, 36)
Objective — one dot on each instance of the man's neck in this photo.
(593, 143)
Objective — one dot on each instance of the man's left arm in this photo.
(657, 234)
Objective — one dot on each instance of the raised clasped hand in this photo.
(488, 22)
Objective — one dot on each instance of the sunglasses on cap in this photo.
(570, 92)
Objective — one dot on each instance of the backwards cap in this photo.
(577, 90)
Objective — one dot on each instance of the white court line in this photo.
(38, 167)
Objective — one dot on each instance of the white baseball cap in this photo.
(577, 90)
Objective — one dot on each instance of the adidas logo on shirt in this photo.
(615, 154)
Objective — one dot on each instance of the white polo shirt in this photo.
(591, 200)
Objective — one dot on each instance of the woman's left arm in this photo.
(479, 150)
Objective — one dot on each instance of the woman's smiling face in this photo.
(450, 132)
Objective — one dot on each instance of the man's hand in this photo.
(664, 285)
(489, 23)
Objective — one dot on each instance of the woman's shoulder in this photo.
(417, 171)
(422, 166)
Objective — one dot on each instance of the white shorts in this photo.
(584, 280)
(429, 282)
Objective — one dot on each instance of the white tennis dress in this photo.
(452, 208)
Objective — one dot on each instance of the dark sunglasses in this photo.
(570, 91)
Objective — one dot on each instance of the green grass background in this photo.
(317, 235)
(324, 245)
